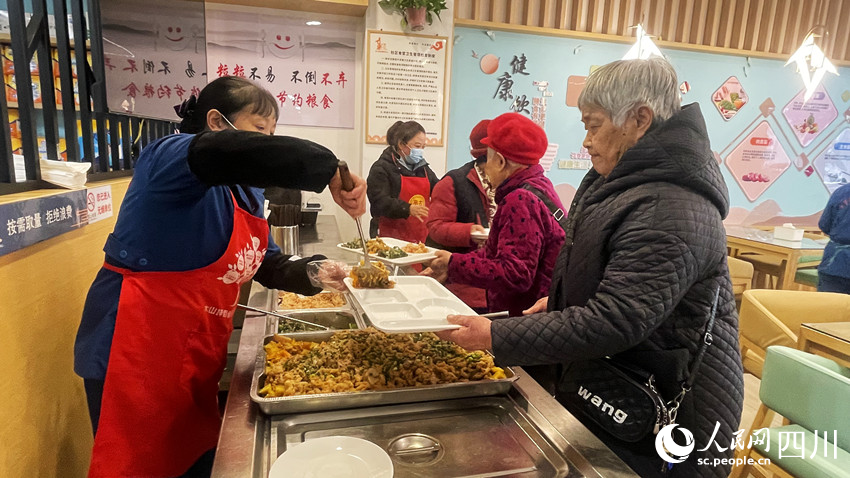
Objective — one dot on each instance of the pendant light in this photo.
(643, 48)
(812, 63)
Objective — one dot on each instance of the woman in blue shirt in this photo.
(152, 343)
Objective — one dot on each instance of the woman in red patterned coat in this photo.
(463, 203)
(515, 265)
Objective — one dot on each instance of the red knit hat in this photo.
(517, 138)
(478, 133)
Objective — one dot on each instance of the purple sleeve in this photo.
(519, 226)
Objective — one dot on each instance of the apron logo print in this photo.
(417, 200)
(248, 260)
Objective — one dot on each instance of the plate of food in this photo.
(392, 251)
(412, 304)
(333, 456)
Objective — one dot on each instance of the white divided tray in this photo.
(411, 258)
(415, 304)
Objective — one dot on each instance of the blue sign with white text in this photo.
(25, 223)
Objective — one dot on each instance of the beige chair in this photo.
(773, 317)
(741, 273)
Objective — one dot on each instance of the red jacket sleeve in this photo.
(442, 217)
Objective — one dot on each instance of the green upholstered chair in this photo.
(768, 269)
(811, 392)
(807, 277)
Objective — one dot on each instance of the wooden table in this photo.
(741, 239)
(830, 340)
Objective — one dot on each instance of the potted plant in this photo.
(414, 12)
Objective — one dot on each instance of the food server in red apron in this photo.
(152, 343)
(400, 184)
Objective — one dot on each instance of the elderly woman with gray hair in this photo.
(640, 285)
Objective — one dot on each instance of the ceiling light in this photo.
(314, 23)
(812, 64)
(643, 48)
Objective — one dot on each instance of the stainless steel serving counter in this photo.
(249, 438)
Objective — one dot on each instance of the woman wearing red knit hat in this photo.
(515, 265)
(463, 203)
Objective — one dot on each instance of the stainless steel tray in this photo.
(335, 319)
(278, 308)
(470, 437)
(368, 398)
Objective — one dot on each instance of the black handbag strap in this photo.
(556, 211)
(707, 339)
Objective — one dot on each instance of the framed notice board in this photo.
(406, 80)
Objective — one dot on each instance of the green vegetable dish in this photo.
(392, 253)
(354, 244)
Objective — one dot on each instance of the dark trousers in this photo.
(94, 396)
(830, 283)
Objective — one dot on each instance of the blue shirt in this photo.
(835, 222)
(169, 221)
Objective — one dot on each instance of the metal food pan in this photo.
(367, 398)
(279, 308)
(334, 319)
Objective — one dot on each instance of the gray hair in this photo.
(622, 86)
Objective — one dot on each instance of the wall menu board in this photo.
(780, 157)
(154, 55)
(308, 69)
(406, 81)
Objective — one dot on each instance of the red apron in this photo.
(159, 412)
(414, 191)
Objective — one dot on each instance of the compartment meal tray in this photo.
(411, 258)
(414, 304)
(366, 398)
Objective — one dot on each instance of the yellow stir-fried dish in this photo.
(290, 300)
(417, 248)
(376, 277)
(368, 359)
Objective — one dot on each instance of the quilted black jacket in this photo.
(644, 254)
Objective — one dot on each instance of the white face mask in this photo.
(228, 122)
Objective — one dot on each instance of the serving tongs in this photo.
(366, 269)
(282, 316)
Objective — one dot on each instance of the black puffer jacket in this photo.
(383, 186)
(644, 254)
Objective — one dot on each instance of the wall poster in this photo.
(406, 81)
(153, 55)
(780, 156)
(309, 69)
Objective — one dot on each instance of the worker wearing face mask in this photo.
(400, 184)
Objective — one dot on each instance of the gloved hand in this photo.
(278, 272)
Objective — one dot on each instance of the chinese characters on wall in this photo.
(153, 61)
(309, 70)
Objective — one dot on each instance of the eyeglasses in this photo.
(416, 146)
